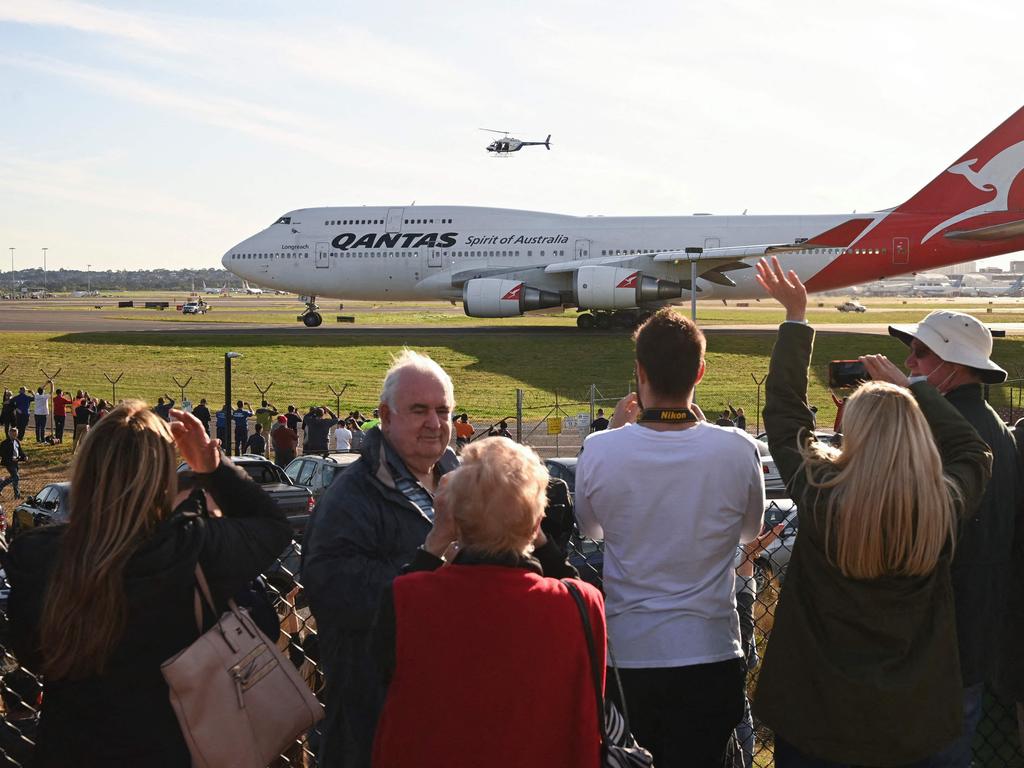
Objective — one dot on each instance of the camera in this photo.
(846, 373)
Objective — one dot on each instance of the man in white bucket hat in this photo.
(952, 351)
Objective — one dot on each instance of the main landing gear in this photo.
(311, 318)
(604, 319)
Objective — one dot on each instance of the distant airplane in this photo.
(251, 290)
(215, 291)
(503, 263)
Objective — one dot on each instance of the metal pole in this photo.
(519, 416)
(757, 429)
(593, 390)
(227, 403)
(693, 254)
(12, 284)
(557, 416)
(88, 273)
(44, 272)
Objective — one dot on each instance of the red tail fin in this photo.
(983, 180)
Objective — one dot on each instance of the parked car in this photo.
(195, 308)
(295, 501)
(852, 306)
(318, 472)
(774, 488)
(775, 558)
(47, 507)
(563, 468)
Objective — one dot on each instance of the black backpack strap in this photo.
(595, 669)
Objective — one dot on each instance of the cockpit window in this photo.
(284, 220)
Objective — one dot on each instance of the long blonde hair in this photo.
(891, 510)
(122, 484)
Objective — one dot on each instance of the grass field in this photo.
(487, 367)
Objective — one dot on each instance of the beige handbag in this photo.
(238, 699)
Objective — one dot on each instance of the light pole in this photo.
(228, 357)
(88, 273)
(12, 273)
(44, 272)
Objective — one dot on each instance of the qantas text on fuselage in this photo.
(502, 262)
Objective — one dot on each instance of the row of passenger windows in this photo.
(813, 251)
(290, 255)
(359, 222)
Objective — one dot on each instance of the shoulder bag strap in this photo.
(595, 670)
(202, 592)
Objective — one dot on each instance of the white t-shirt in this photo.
(41, 404)
(342, 438)
(672, 507)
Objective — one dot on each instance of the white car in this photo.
(852, 306)
(195, 308)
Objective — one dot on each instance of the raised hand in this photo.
(784, 288)
(626, 411)
(881, 368)
(195, 446)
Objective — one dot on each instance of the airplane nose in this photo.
(225, 262)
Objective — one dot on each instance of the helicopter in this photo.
(507, 144)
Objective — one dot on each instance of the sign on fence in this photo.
(555, 425)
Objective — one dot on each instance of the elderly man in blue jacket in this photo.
(367, 525)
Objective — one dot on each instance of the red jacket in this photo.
(491, 669)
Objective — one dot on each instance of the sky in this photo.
(156, 134)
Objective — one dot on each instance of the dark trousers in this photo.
(40, 427)
(12, 470)
(685, 715)
(58, 426)
(21, 421)
(283, 458)
(241, 438)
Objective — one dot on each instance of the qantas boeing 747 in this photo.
(503, 263)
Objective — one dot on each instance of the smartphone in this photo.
(846, 373)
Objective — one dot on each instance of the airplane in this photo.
(251, 290)
(507, 144)
(616, 270)
(215, 291)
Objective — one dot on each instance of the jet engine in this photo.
(616, 288)
(493, 297)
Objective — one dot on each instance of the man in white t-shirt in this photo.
(342, 437)
(672, 495)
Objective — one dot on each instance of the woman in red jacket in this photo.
(488, 661)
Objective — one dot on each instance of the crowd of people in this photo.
(454, 631)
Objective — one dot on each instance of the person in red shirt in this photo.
(60, 404)
(461, 644)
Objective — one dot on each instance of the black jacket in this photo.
(124, 717)
(981, 562)
(8, 456)
(361, 533)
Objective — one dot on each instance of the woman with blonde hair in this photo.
(861, 667)
(98, 604)
(486, 658)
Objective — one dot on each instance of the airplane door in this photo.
(323, 255)
(712, 242)
(434, 259)
(582, 249)
(395, 219)
(901, 250)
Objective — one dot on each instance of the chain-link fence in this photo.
(996, 744)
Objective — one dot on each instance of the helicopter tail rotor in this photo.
(547, 141)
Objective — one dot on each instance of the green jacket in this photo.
(859, 671)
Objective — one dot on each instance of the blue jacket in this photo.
(361, 533)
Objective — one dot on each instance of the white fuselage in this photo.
(413, 253)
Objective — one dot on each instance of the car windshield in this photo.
(264, 474)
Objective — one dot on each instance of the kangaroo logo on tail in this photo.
(997, 175)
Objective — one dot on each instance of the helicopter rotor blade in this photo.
(494, 130)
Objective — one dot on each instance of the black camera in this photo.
(846, 373)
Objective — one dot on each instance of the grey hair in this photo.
(406, 360)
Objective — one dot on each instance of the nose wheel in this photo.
(311, 318)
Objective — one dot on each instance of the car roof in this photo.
(565, 461)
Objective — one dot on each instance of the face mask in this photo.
(941, 387)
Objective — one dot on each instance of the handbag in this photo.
(618, 747)
(238, 699)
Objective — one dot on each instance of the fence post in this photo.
(519, 416)
(262, 391)
(181, 388)
(757, 429)
(593, 394)
(113, 386)
(337, 396)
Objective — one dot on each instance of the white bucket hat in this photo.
(956, 338)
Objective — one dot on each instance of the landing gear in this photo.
(311, 318)
(604, 319)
